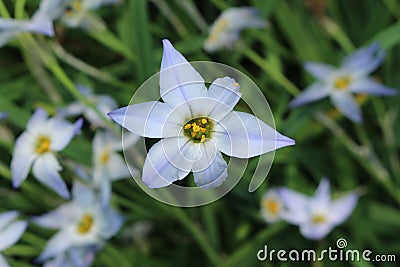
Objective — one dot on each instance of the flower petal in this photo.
(212, 167)
(12, 232)
(365, 60)
(117, 168)
(105, 191)
(45, 169)
(296, 205)
(5, 37)
(3, 262)
(7, 217)
(342, 207)
(369, 86)
(318, 70)
(111, 224)
(38, 119)
(322, 194)
(72, 109)
(346, 104)
(158, 171)
(58, 218)
(22, 159)
(179, 81)
(242, 135)
(83, 195)
(150, 119)
(94, 4)
(312, 93)
(226, 90)
(57, 244)
(62, 132)
(315, 231)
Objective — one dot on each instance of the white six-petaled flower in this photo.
(10, 231)
(226, 29)
(317, 215)
(84, 221)
(196, 124)
(37, 146)
(108, 164)
(41, 22)
(271, 206)
(77, 13)
(340, 83)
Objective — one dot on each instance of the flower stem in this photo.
(364, 154)
(265, 66)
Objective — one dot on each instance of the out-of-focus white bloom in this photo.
(10, 232)
(318, 215)
(108, 164)
(77, 13)
(84, 221)
(104, 104)
(271, 206)
(38, 145)
(82, 256)
(41, 22)
(352, 77)
(226, 29)
(196, 124)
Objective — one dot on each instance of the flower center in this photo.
(105, 157)
(75, 6)
(342, 83)
(318, 218)
(198, 129)
(43, 144)
(85, 224)
(272, 206)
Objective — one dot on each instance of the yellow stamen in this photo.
(105, 157)
(236, 84)
(318, 219)
(271, 205)
(342, 83)
(42, 145)
(85, 225)
(196, 128)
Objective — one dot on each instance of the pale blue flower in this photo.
(41, 22)
(317, 215)
(38, 145)
(10, 232)
(226, 29)
(108, 164)
(3, 115)
(196, 124)
(77, 13)
(103, 103)
(271, 206)
(340, 83)
(84, 221)
(82, 256)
